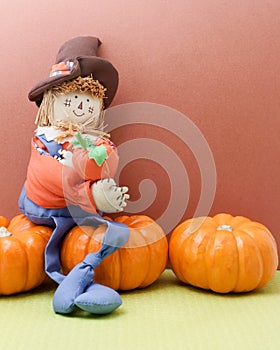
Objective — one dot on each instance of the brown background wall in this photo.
(217, 62)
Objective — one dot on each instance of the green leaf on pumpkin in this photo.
(80, 142)
(99, 154)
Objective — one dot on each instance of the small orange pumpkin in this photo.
(223, 253)
(22, 245)
(137, 264)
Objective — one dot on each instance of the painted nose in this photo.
(80, 105)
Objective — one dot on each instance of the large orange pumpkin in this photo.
(22, 245)
(135, 265)
(223, 253)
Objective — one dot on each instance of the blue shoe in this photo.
(98, 299)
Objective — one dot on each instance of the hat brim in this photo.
(101, 70)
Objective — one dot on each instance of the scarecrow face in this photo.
(76, 107)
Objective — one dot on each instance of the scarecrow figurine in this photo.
(70, 174)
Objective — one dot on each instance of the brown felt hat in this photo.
(78, 57)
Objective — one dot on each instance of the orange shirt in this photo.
(50, 184)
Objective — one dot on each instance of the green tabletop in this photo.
(166, 315)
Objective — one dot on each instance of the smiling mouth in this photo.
(78, 115)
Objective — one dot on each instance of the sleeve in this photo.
(77, 191)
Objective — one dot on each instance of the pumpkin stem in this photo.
(225, 228)
(4, 232)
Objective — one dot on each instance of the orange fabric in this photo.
(89, 170)
(50, 184)
(39, 143)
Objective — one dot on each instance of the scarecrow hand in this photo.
(66, 158)
(108, 197)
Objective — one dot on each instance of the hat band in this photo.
(61, 68)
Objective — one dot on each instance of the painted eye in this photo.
(76, 96)
(87, 99)
(67, 103)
